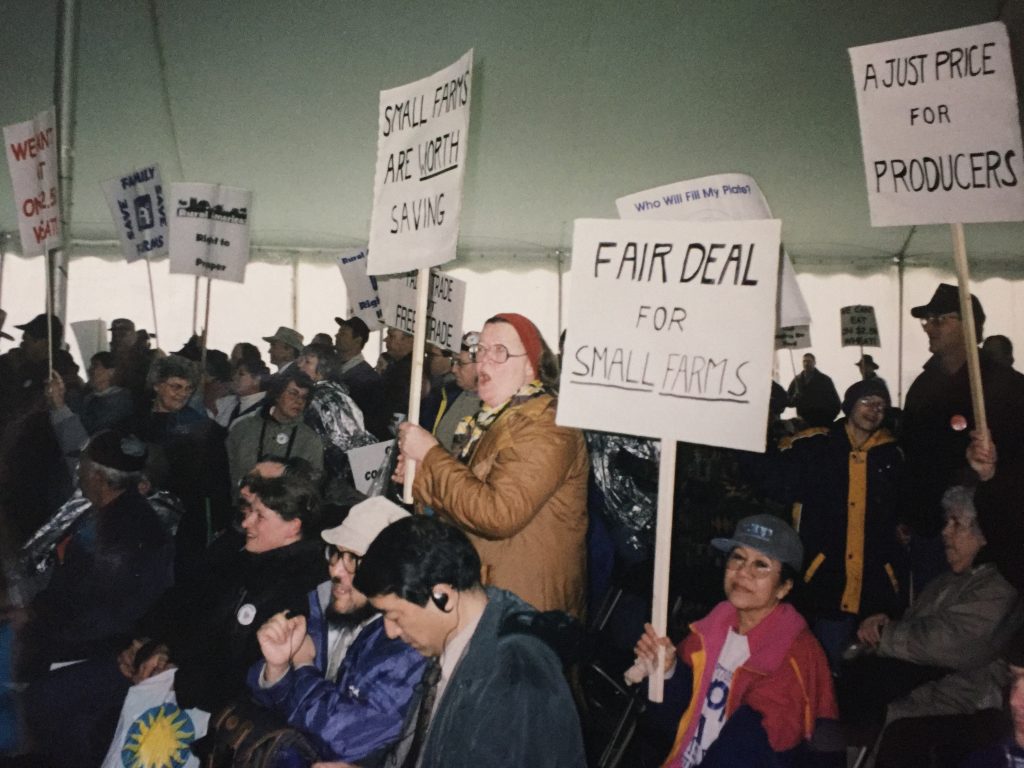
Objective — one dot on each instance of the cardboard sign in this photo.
(32, 161)
(670, 331)
(422, 145)
(136, 203)
(92, 337)
(366, 463)
(940, 128)
(859, 327)
(723, 197)
(793, 337)
(210, 231)
(444, 307)
(363, 301)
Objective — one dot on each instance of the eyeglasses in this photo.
(350, 560)
(938, 320)
(872, 403)
(758, 568)
(457, 363)
(497, 353)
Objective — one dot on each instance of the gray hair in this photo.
(171, 367)
(959, 498)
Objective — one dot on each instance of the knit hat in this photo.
(866, 388)
(116, 450)
(768, 534)
(528, 334)
(365, 520)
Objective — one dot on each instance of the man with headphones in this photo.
(494, 693)
(338, 676)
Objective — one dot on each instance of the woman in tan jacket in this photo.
(516, 482)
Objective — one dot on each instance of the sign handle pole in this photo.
(206, 331)
(152, 299)
(967, 323)
(195, 307)
(49, 313)
(419, 339)
(792, 363)
(662, 561)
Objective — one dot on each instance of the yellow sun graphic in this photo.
(159, 738)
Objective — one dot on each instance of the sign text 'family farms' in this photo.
(136, 202)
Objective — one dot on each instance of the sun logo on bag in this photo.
(159, 738)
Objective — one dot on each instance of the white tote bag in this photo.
(153, 731)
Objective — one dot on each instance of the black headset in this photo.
(440, 599)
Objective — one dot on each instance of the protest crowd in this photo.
(187, 525)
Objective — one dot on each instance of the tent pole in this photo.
(295, 291)
(64, 96)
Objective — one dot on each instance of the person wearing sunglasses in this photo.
(516, 482)
(752, 679)
(337, 676)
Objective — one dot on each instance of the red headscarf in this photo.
(528, 334)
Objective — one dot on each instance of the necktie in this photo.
(235, 411)
(429, 685)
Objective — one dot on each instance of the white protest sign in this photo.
(722, 197)
(859, 327)
(32, 161)
(91, 336)
(421, 161)
(366, 463)
(210, 231)
(445, 304)
(670, 331)
(363, 301)
(793, 337)
(940, 128)
(136, 202)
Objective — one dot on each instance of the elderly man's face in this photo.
(280, 353)
(962, 540)
(465, 371)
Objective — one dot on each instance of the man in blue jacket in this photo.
(338, 677)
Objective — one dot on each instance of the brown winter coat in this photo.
(523, 503)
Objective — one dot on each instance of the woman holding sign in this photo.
(753, 681)
(515, 482)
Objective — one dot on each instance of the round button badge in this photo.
(246, 614)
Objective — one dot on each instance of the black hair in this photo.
(254, 366)
(328, 361)
(411, 556)
(292, 496)
(106, 359)
(279, 383)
